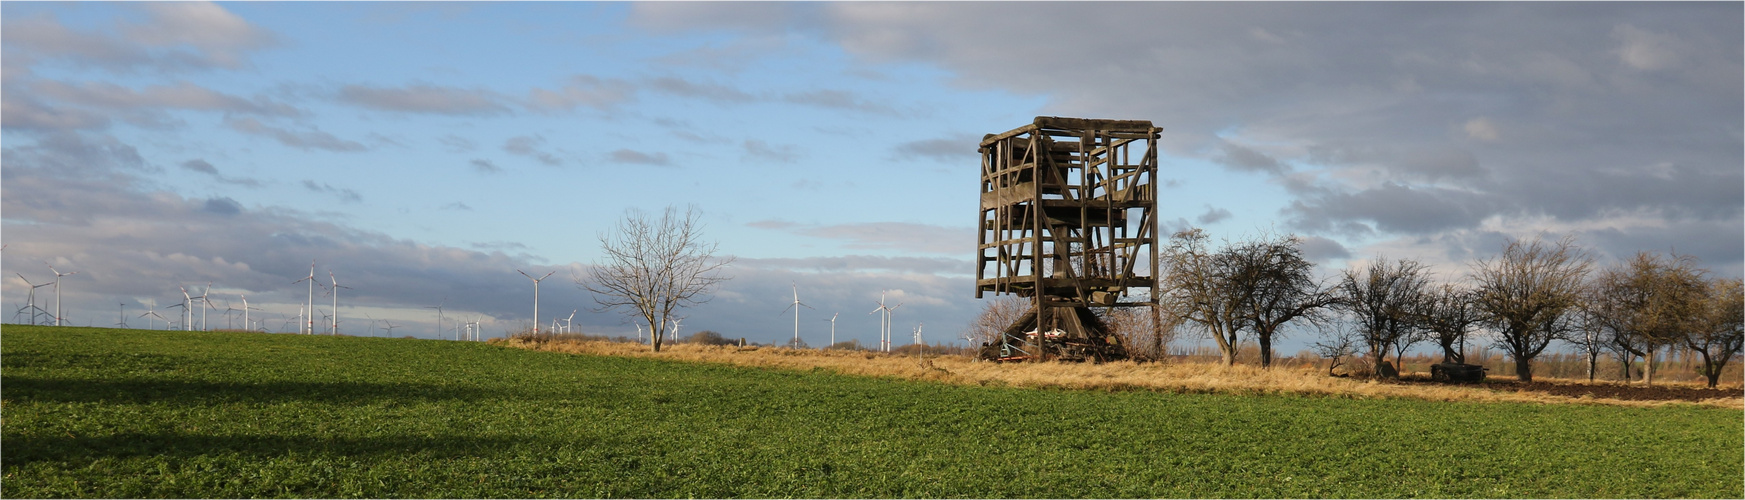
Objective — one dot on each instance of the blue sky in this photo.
(423, 152)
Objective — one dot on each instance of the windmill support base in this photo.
(1073, 334)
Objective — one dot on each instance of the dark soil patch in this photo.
(1597, 390)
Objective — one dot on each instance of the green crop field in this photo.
(126, 413)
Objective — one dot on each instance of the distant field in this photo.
(132, 413)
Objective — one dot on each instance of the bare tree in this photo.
(1337, 342)
(997, 315)
(1524, 293)
(653, 267)
(1649, 302)
(1146, 333)
(1720, 334)
(1590, 332)
(1448, 316)
(1197, 286)
(1275, 285)
(1382, 300)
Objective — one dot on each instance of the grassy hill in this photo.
(131, 413)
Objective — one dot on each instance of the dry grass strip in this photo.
(1169, 377)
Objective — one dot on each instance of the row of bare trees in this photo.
(1533, 293)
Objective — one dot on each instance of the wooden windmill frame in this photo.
(1068, 219)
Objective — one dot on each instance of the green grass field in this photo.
(126, 413)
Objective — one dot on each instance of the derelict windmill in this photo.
(308, 325)
(535, 295)
(34, 310)
(335, 292)
(796, 305)
(1067, 219)
(58, 276)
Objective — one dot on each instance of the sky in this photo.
(423, 153)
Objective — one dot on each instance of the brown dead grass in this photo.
(1169, 377)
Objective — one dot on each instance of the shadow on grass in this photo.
(23, 450)
(191, 392)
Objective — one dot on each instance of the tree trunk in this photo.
(1230, 357)
(1711, 370)
(1648, 366)
(1593, 365)
(1266, 351)
(1380, 361)
(1524, 368)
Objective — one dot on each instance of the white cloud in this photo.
(1481, 128)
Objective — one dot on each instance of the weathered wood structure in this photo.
(1067, 219)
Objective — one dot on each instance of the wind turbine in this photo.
(311, 321)
(568, 321)
(920, 349)
(245, 309)
(122, 317)
(796, 305)
(32, 300)
(438, 308)
(153, 312)
(535, 295)
(389, 326)
(58, 276)
(187, 314)
(885, 323)
(832, 330)
(335, 292)
(227, 310)
(208, 303)
(676, 322)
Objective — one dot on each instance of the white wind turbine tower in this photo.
(187, 314)
(675, 337)
(567, 321)
(920, 349)
(832, 331)
(885, 323)
(245, 323)
(796, 305)
(639, 334)
(34, 310)
(308, 325)
(535, 295)
(58, 276)
(438, 309)
(207, 302)
(389, 326)
(335, 292)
